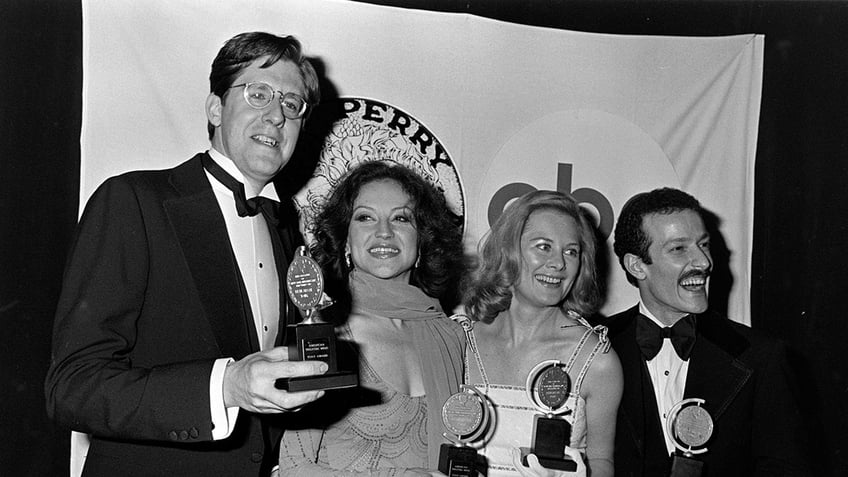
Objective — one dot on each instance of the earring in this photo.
(417, 260)
(348, 261)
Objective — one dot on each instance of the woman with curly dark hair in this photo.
(535, 281)
(391, 252)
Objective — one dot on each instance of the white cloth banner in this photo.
(515, 107)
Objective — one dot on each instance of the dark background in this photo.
(801, 201)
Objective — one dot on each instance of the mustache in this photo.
(695, 274)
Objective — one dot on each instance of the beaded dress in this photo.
(374, 429)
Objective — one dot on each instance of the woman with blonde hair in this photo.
(534, 286)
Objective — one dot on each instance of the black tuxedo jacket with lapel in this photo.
(743, 378)
(152, 295)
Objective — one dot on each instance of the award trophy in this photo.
(468, 415)
(547, 388)
(690, 427)
(311, 339)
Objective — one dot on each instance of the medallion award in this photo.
(312, 338)
(548, 386)
(468, 416)
(690, 427)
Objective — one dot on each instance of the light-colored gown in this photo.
(372, 439)
(515, 413)
(375, 430)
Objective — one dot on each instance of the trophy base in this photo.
(550, 436)
(336, 380)
(457, 461)
(314, 341)
(556, 463)
(685, 467)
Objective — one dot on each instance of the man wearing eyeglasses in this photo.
(167, 337)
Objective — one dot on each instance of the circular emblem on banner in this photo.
(355, 130)
(601, 158)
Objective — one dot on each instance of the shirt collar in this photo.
(228, 165)
(644, 311)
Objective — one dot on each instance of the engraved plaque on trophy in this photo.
(548, 386)
(312, 338)
(468, 416)
(690, 427)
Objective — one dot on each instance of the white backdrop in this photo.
(609, 115)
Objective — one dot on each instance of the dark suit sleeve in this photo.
(776, 419)
(94, 384)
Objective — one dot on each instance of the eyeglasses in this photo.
(259, 95)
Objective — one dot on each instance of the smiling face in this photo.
(675, 283)
(259, 141)
(550, 259)
(382, 238)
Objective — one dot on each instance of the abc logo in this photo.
(600, 159)
(584, 195)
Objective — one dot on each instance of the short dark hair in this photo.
(499, 263)
(440, 252)
(243, 49)
(630, 235)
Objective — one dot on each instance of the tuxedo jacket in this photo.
(743, 378)
(152, 295)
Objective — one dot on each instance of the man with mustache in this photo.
(673, 348)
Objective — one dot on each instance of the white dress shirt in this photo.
(254, 252)
(668, 375)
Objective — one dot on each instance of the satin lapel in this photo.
(202, 233)
(715, 374)
(633, 400)
(282, 262)
(285, 238)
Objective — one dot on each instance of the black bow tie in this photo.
(650, 336)
(244, 207)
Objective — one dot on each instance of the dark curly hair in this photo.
(630, 236)
(489, 290)
(243, 49)
(441, 260)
